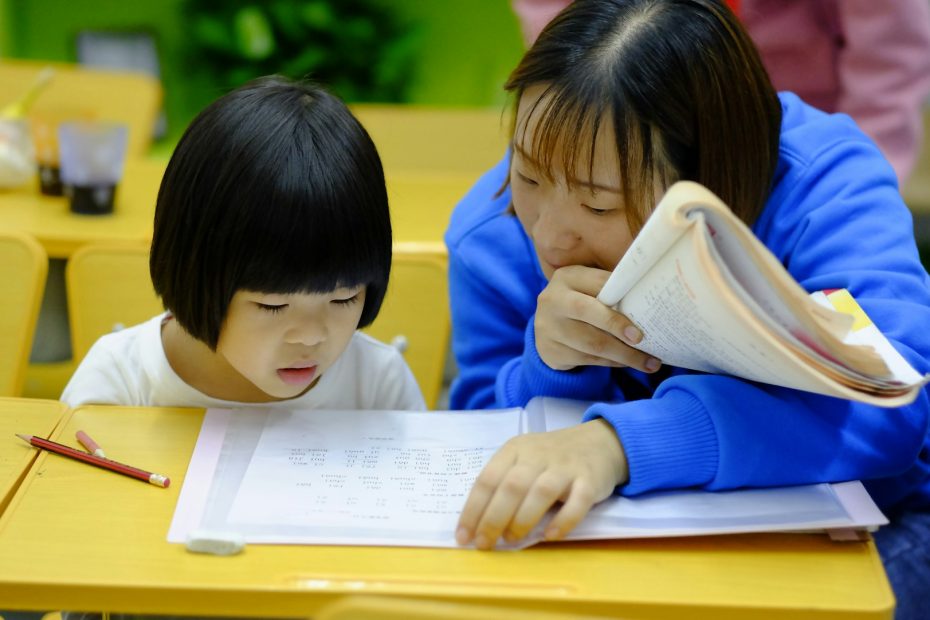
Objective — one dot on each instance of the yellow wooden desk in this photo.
(27, 417)
(76, 537)
(61, 232)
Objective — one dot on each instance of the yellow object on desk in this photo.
(18, 415)
(54, 553)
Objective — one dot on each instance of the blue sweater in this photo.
(835, 219)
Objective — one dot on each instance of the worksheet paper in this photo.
(401, 478)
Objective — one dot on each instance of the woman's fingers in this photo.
(574, 329)
(582, 345)
(579, 466)
(549, 488)
(482, 491)
(504, 504)
(577, 505)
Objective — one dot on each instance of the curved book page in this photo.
(710, 297)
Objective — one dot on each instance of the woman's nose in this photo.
(553, 229)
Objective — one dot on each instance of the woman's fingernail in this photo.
(652, 364)
(632, 334)
(551, 534)
(482, 542)
(462, 536)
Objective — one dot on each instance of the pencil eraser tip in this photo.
(214, 542)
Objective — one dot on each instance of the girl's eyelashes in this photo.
(347, 301)
(272, 308)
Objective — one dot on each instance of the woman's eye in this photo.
(347, 301)
(272, 308)
(596, 211)
(526, 179)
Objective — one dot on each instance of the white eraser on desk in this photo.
(214, 542)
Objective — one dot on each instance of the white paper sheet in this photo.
(401, 478)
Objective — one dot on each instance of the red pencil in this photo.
(127, 470)
(90, 444)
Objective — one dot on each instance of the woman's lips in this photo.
(297, 376)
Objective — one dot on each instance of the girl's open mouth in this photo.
(297, 376)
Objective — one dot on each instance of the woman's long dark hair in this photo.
(684, 86)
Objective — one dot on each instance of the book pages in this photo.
(709, 296)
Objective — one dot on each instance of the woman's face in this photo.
(578, 217)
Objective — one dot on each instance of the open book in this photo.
(709, 296)
(401, 478)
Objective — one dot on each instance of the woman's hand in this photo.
(578, 466)
(574, 329)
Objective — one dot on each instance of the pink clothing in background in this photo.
(867, 58)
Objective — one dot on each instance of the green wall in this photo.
(6, 43)
(466, 47)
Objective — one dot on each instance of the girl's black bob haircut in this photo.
(274, 188)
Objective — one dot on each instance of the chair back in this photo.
(415, 314)
(105, 95)
(108, 288)
(23, 269)
(424, 139)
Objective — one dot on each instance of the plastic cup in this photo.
(45, 124)
(92, 154)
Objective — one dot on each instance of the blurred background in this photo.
(424, 77)
(430, 52)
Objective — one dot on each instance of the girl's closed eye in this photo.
(272, 308)
(347, 298)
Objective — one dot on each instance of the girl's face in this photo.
(283, 343)
(582, 222)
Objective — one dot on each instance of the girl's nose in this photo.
(307, 331)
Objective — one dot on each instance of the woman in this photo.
(616, 100)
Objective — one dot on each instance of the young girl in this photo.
(271, 247)
(616, 100)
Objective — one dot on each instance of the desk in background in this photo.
(49, 219)
(27, 417)
(76, 537)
